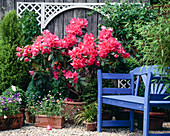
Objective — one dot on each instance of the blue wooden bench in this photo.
(154, 95)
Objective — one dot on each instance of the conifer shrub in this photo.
(12, 71)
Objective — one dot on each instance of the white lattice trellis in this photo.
(47, 11)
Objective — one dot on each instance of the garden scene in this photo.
(84, 68)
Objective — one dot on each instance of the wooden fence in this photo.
(57, 24)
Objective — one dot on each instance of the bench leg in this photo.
(131, 120)
(146, 122)
(99, 117)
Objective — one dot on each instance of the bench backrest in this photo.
(157, 87)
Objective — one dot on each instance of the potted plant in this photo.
(10, 113)
(88, 116)
(48, 111)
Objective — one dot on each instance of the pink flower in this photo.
(115, 55)
(31, 72)
(68, 74)
(19, 49)
(26, 59)
(18, 54)
(49, 127)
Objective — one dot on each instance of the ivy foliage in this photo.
(12, 71)
(29, 26)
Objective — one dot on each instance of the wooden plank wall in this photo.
(57, 25)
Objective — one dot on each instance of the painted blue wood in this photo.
(99, 113)
(117, 91)
(115, 123)
(154, 96)
(131, 129)
(137, 85)
(146, 105)
(160, 134)
(115, 76)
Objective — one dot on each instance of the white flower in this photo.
(5, 117)
(0, 110)
(20, 99)
(13, 88)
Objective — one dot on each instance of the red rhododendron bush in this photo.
(72, 58)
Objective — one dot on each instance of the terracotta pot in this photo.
(29, 117)
(72, 108)
(122, 114)
(106, 116)
(90, 126)
(22, 110)
(156, 120)
(11, 122)
(54, 122)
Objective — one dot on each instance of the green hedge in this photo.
(12, 71)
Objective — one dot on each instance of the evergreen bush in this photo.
(12, 71)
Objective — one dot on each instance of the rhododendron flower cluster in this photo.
(85, 53)
(82, 54)
(76, 25)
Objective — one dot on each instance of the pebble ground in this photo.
(72, 130)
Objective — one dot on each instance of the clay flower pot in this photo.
(71, 108)
(29, 117)
(54, 122)
(156, 120)
(90, 126)
(11, 122)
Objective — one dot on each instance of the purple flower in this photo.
(53, 100)
(9, 100)
(8, 93)
(2, 104)
(16, 95)
(5, 108)
(40, 102)
(3, 98)
(17, 99)
(39, 96)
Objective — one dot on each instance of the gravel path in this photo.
(72, 130)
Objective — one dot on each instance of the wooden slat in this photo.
(115, 76)
(159, 97)
(160, 134)
(117, 91)
(165, 88)
(117, 123)
(160, 88)
(126, 101)
(137, 85)
(59, 23)
(79, 13)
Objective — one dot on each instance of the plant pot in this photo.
(71, 108)
(54, 122)
(122, 114)
(29, 117)
(22, 110)
(90, 126)
(106, 115)
(156, 120)
(11, 122)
